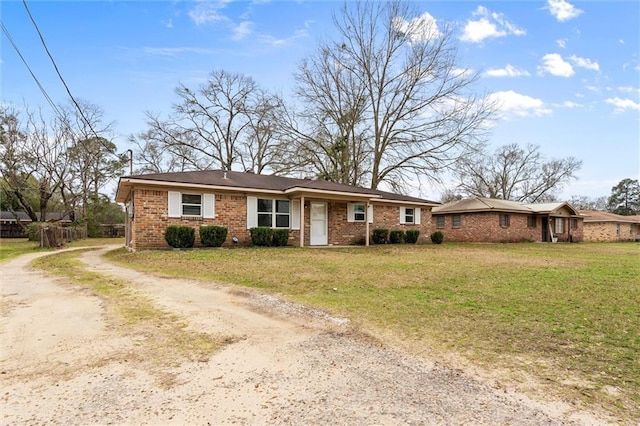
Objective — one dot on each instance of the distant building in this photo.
(605, 226)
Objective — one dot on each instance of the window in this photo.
(439, 221)
(574, 223)
(410, 215)
(505, 220)
(617, 229)
(456, 221)
(191, 205)
(559, 224)
(272, 212)
(356, 212)
(532, 221)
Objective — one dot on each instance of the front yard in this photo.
(567, 316)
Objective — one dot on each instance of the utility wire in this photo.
(6, 32)
(64, 83)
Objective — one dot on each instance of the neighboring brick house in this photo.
(500, 221)
(317, 213)
(605, 226)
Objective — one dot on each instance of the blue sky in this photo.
(567, 73)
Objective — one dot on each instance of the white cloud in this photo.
(584, 63)
(629, 89)
(267, 39)
(420, 29)
(563, 10)
(204, 13)
(570, 104)
(489, 24)
(554, 64)
(508, 71)
(169, 23)
(514, 103)
(242, 30)
(622, 105)
(562, 43)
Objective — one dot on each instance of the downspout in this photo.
(366, 221)
(302, 221)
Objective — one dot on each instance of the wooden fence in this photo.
(55, 236)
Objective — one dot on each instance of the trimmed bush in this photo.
(280, 237)
(411, 236)
(213, 236)
(437, 237)
(380, 236)
(396, 236)
(180, 236)
(261, 236)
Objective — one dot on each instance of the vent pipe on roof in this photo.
(224, 176)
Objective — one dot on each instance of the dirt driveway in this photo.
(62, 363)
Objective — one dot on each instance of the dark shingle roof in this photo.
(240, 180)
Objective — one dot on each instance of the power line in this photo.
(6, 32)
(64, 83)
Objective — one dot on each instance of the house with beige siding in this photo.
(605, 226)
(501, 221)
(316, 213)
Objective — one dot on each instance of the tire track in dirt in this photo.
(290, 365)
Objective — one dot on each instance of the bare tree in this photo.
(389, 93)
(228, 121)
(515, 173)
(260, 149)
(582, 202)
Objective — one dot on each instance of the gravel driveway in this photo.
(62, 363)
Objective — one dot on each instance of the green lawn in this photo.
(568, 314)
(12, 247)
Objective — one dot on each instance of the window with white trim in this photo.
(410, 215)
(273, 213)
(356, 212)
(190, 204)
(359, 212)
(559, 225)
(456, 221)
(440, 221)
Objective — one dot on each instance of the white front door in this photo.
(319, 231)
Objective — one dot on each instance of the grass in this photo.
(567, 315)
(165, 338)
(12, 247)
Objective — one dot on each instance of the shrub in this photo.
(280, 237)
(180, 236)
(261, 236)
(412, 236)
(437, 237)
(396, 236)
(213, 236)
(34, 229)
(380, 236)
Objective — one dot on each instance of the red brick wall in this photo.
(610, 231)
(343, 232)
(485, 227)
(151, 219)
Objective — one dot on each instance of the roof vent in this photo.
(249, 171)
(224, 176)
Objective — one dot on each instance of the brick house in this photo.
(317, 213)
(605, 226)
(501, 221)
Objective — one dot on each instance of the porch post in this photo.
(366, 227)
(302, 221)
